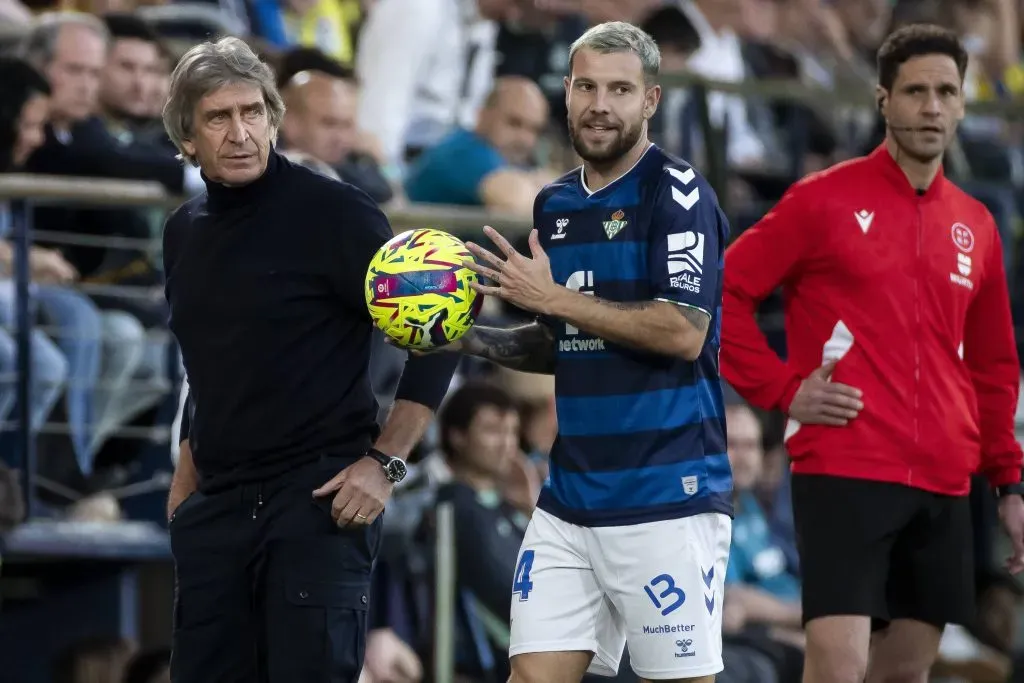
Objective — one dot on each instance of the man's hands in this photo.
(360, 492)
(824, 402)
(522, 281)
(49, 267)
(1011, 514)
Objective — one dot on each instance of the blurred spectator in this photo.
(720, 57)
(990, 30)
(479, 425)
(320, 120)
(71, 50)
(425, 67)
(493, 165)
(131, 78)
(25, 97)
(328, 25)
(762, 597)
(756, 563)
(537, 48)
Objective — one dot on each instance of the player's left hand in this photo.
(1011, 514)
(523, 281)
(360, 492)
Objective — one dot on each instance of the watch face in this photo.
(396, 470)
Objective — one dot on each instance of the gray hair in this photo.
(207, 67)
(619, 36)
(40, 44)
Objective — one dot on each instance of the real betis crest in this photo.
(616, 224)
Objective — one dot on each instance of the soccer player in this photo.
(902, 375)
(631, 535)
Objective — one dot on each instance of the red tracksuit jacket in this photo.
(909, 291)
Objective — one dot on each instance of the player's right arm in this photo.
(527, 348)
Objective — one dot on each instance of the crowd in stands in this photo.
(450, 102)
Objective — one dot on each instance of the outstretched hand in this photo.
(524, 281)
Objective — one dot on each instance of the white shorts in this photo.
(656, 587)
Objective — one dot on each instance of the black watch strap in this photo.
(379, 456)
(1009, 490)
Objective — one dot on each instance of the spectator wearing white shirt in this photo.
(720, 58)
(425, 67)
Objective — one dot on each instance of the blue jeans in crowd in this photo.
(49, 374)
(76, 326)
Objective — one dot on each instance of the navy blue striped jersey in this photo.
(641, 437)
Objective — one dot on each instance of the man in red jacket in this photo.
(902, 375)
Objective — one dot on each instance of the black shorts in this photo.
(268, 588)
(883, 550)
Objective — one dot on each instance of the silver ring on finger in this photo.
(359, 516)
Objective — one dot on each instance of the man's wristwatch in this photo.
(394, 468)
(1009, 490)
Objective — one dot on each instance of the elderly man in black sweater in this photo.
(281, 478)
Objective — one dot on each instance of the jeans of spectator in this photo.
(49, 368)
(79, 334)
(48, 374)
(133, 377)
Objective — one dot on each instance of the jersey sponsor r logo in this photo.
(686, 261)
(686, 253)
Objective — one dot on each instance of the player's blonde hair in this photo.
(619, 36)
(207, 67)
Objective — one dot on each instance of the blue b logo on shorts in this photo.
(671, 589)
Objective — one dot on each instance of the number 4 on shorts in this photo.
(521, 584)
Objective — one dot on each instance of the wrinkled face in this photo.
(130, 76)
(232, 134)
(609, 104)
(927, 97)
(31, 128)
(74, 73)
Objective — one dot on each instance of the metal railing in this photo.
(23, 192)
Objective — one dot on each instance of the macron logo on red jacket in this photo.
(909, 292)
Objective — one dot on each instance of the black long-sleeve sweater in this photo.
(265, 286)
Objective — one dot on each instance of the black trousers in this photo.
(883, 550)
(268, 588)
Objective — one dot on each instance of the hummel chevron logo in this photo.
(864, 218)
(709, 576)
(710, 603)
(686, 177)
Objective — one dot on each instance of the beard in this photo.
(605, 152)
